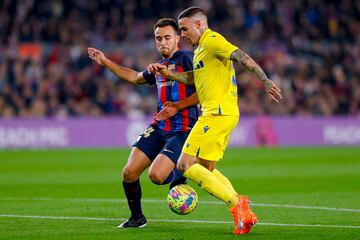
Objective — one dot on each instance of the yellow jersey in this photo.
(214, 75)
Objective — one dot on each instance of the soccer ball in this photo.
(182, 199)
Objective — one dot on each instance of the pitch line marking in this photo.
(148, 200)
(173, 221)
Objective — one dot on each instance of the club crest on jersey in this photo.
(206, 128)
(198, 65)
(171, 67)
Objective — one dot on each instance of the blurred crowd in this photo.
(310, 48)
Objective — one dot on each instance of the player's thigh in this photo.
(173, 146)
(169, 155)
(137, 162)
(217, 140)
(192, 143)
(209, 137)
(150, 142)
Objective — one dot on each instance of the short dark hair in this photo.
(163, 22)
(191, 11)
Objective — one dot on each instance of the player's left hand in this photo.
(273, 91)
(169, 109)
(156, 68)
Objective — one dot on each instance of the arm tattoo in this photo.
(184, 77)
(241, 57)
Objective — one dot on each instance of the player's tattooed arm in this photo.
(183, 77)
(271, 89)
(243, 58)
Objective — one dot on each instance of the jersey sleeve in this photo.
(219, 46)
(149, 77)
(187, 61)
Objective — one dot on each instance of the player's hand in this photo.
(156, 68)
(96, 55)
(273, 91)
(169, 109)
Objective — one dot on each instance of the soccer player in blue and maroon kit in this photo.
(160, 145)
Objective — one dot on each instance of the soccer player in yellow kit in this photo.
(214, 79)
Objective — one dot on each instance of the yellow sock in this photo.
(224, 180)
(211, 184)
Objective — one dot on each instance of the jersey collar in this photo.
(176, 54)
(204, 35)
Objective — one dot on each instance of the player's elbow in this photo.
(138, 81)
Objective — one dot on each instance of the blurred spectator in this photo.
(311, 48)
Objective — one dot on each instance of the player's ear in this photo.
(177, 39)
(197, 23)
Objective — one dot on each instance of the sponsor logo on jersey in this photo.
(198, 65)
(167, 84)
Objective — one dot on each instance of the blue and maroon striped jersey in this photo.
(173, 91)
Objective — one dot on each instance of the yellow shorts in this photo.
(209, 137)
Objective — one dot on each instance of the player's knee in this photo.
(156, 178)
(129, 174)
(182, 166)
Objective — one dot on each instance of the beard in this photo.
(167, 53)
(164, 55)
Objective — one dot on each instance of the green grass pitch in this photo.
(298, 193)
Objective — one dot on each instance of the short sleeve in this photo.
(219, 46)
(149, 77)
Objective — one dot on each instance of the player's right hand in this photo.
(168, 110)
(273, 91)
(96, 55)
(156, 68)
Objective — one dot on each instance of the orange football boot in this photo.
(244, 218)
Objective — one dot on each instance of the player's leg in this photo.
(137, 163)
(145, 150)
(201, 151)
(163, 169)
(217, 173)
(211, 166)
(223, 179)
(207, 143)
(200, 171)
(244, 218)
